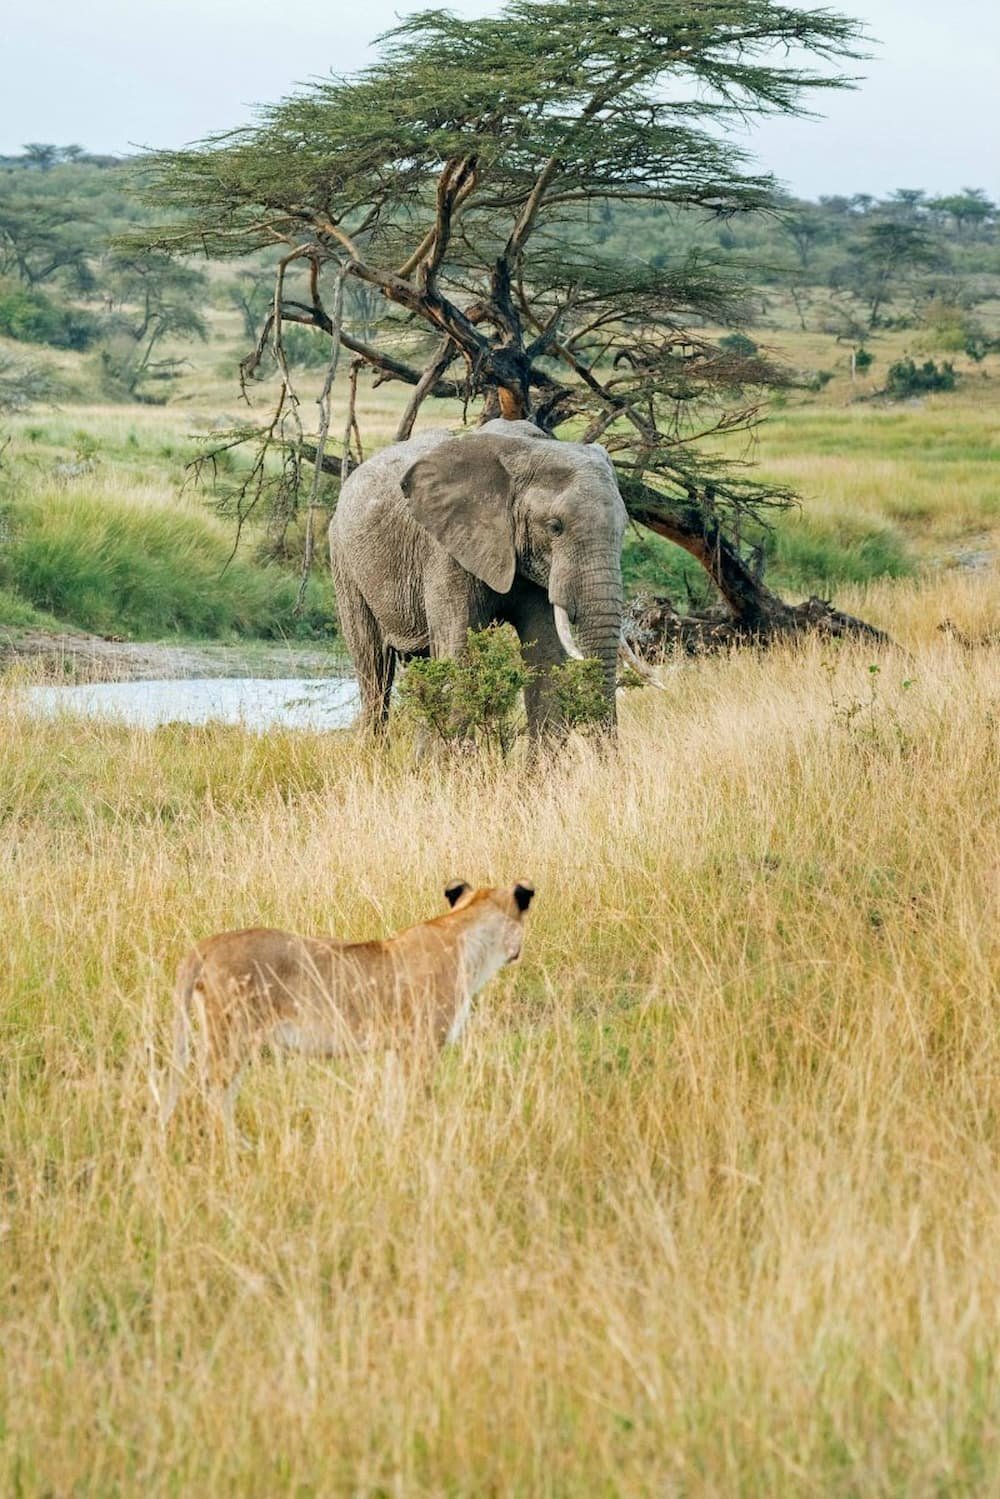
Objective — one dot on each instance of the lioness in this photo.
(238, 990)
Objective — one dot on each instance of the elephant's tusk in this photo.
(565, 634)
(641, 668)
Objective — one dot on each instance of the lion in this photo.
(413, 992)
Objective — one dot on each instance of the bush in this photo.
(471, 699)
(950, 327)
(818, 380)
(579, 692)
(738, 344)
(476, 699)
(909, 379)
(31, 317)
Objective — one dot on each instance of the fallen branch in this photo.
(654, 628)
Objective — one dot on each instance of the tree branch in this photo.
(424, 386)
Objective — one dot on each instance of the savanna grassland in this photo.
(708, 1200)
(103, 528)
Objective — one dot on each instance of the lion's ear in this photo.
(524, 894)
(455, 891)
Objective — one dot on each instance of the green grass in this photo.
(143, 570)
(807, 552)
(652, 565)
(16, 614)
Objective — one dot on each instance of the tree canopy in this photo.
(454, 180)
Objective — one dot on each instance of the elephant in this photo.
(440, 534)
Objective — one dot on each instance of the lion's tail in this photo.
(188, 976)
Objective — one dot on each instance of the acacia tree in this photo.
(149, 298)
(885, 253)
(454, 180)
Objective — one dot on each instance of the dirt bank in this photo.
(69, 656)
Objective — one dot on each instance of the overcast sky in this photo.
(115, 74)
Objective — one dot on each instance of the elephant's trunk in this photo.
(596, 632)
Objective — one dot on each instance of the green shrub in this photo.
(474, 698)
(951, 327)
(818, 380)
(31, 317)
(909, 379)
(578, 688)
(738, 344)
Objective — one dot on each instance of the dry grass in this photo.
(707, 1203)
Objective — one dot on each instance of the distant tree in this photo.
(836, 206)
(150, 298)
(908, 204)
(38, 241)
(454, 179)
(251, 293)
(41, 155)
(30, 316)
(969, 210)
(806, 228)
(883, 255)
(23, 384)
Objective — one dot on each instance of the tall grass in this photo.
(103, 559)
(706, 1203)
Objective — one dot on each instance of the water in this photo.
(255, 702)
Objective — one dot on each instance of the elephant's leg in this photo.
(455, 604)
(534, 622)
(374, 659)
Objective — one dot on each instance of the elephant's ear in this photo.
(460, 492)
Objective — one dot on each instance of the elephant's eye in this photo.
(555, 526)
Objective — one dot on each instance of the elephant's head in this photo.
(508, 502)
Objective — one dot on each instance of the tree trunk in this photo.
(755, 612)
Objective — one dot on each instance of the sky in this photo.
(114, 75)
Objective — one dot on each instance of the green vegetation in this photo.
(28, 315)
(477, 699)
(472, 699)
(817, 555)
(95, 537)
(143, 571)
(908, 379)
